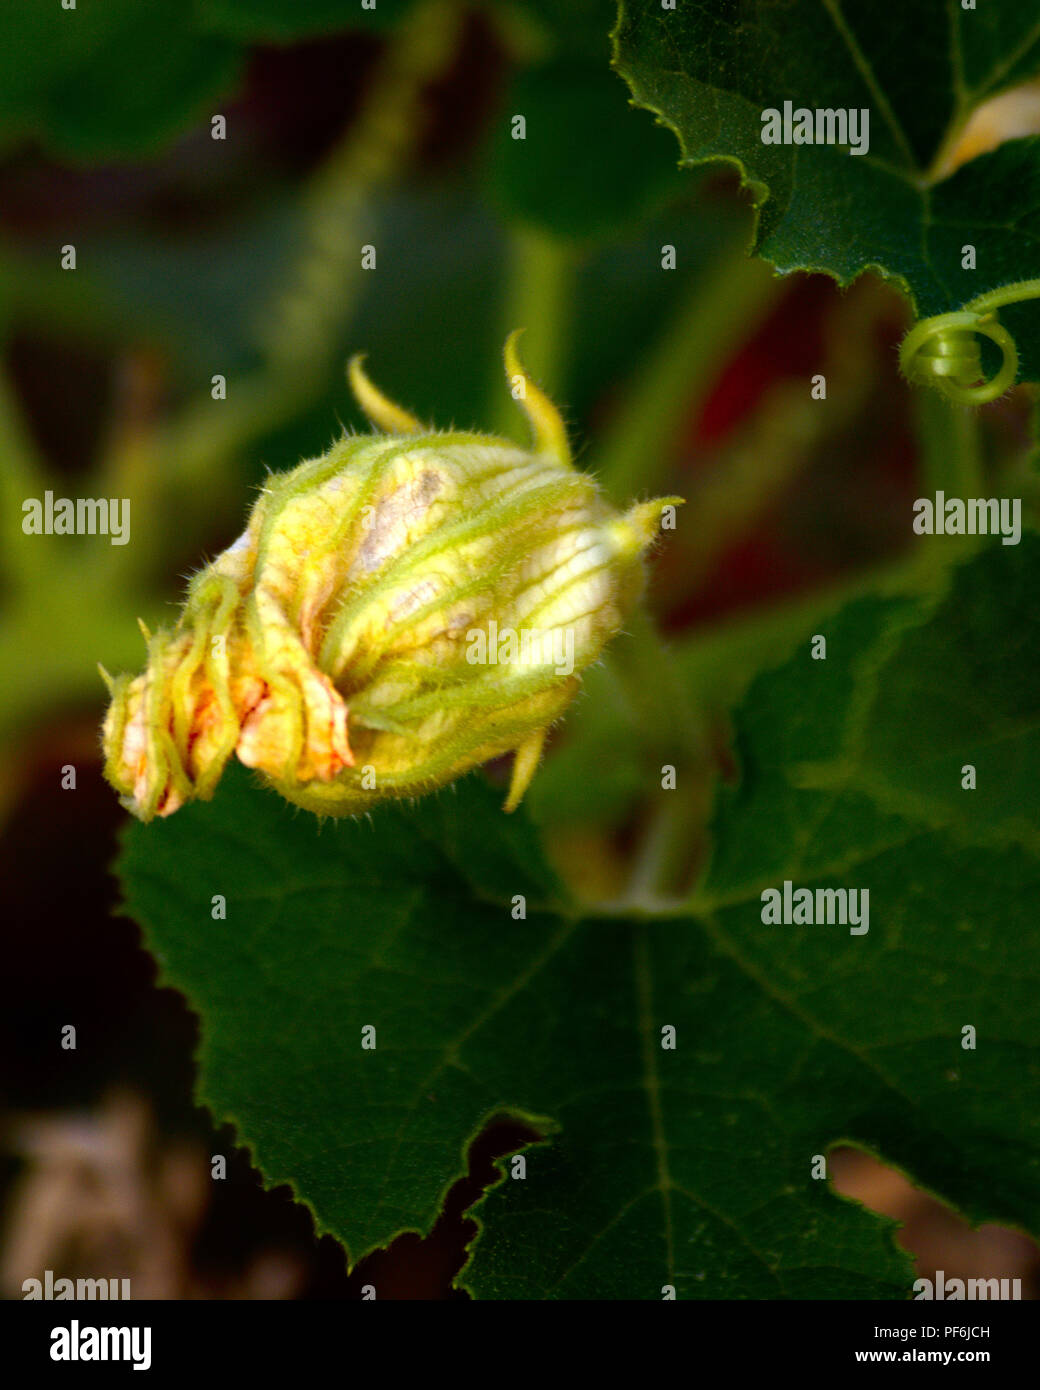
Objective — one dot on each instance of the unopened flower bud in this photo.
(397, 611)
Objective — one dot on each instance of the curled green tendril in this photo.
(944, 351)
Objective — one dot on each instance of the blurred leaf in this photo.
(116, 78)
(580, 28)
(119, 78)
(588, 166)
(710, 72)
(283, 21)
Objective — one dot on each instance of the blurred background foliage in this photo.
(241, 257)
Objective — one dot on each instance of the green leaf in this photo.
(914, 688)
(328, 930)
(852, 774)
(111, 78)
(479, 1014)
(709, 72)
(688, 1166)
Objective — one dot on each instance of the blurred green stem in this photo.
(654, 688)
(299, 330)
(673, 733)
(176, 471)
(21, 477)
(539, 298)
(719, 310)
(948, 435)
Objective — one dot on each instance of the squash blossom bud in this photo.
(397, 611)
